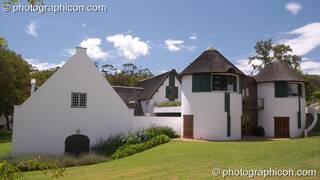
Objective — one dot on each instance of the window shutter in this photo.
(168, 92)
(240, 84)
(201, 82)
(300, 90)
(175, 92)
(281, 89)
(171, 80)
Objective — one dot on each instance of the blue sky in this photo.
(162, 35)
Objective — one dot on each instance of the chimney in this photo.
(33, 86)
(81, 50)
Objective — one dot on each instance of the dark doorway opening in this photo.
(77, 144)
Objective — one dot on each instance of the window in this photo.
(283, 89)
(224, 83)
(78, 100)
(171, 92)
(201, 82)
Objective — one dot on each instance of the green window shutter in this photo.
(227, 110)
(201, 82)
(281, 89)
(299, 115)
(171, 80)
(300, 90)
(240, 84)
(168, 92)
(175, 92)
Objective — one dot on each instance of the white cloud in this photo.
(294, 7)
(245, 67)
(310, 67)
(130, 47)
(173, 45)
(193, 37)
(304, 40)
(84, 25)
(32, 29)
(43, 65)
(94, 49)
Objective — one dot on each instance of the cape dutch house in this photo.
(76, 106)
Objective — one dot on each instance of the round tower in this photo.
(211, 99)
(281, 100)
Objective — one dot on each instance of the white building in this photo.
(211, 98)
(149, 95)
(76, 104)
(282, 93)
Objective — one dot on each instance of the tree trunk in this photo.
(8, 121)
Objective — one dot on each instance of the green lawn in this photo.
(5, 142)
(180, 160)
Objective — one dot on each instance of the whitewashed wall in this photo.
(159, 96)
(140, 122)
(210, 118)
(45, 119)
(279, 107)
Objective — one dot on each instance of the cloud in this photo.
(193, 37)
(303, 39)
(84, 25)
(43, 65)
(173, 45)
(245, 67)
(94, 49)
(294, 7)
(130, 47)
(310, 67)
(177, 45)
(31, 29)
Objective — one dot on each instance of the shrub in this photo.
(169, 104)
(9, 171)
(128, 150)
(109, 146)
(259, 131)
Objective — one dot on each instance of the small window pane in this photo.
(292, 89)
(224, 83)
(78, 100)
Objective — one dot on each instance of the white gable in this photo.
(43, 121)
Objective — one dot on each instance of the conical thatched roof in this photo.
(277, 71)
(211, 61)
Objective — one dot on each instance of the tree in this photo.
(129, 75)
(31, 2)
(14, 81)
(42, 76)
(266, 52)
(3, 43)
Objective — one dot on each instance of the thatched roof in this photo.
(211, 61)
(277, 71)
(128, 94)
(151, 85)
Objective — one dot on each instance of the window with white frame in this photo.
(78, 100)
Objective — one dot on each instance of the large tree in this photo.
(128, 75)
(14, 81)
(267, 51)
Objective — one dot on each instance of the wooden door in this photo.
(188, 126)
(281, 127)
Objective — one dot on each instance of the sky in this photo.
(164, 35)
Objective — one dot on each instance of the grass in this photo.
(5, 142)
(169, 104)
(186, 160)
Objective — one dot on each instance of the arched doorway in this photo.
(77, 144)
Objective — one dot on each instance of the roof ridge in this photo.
(154, 76)
(129, 87)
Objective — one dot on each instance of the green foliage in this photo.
(14, 170)
(266, 51)
(109, 146)
(31, 2)
(42, 76)
(129, 75)
(3, 43)
(9, 171)
(131, 149)
(316, 94)
(169, 104)
(5, 136)
(312, 85)
(14, 81)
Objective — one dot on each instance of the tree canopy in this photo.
(267, 51)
